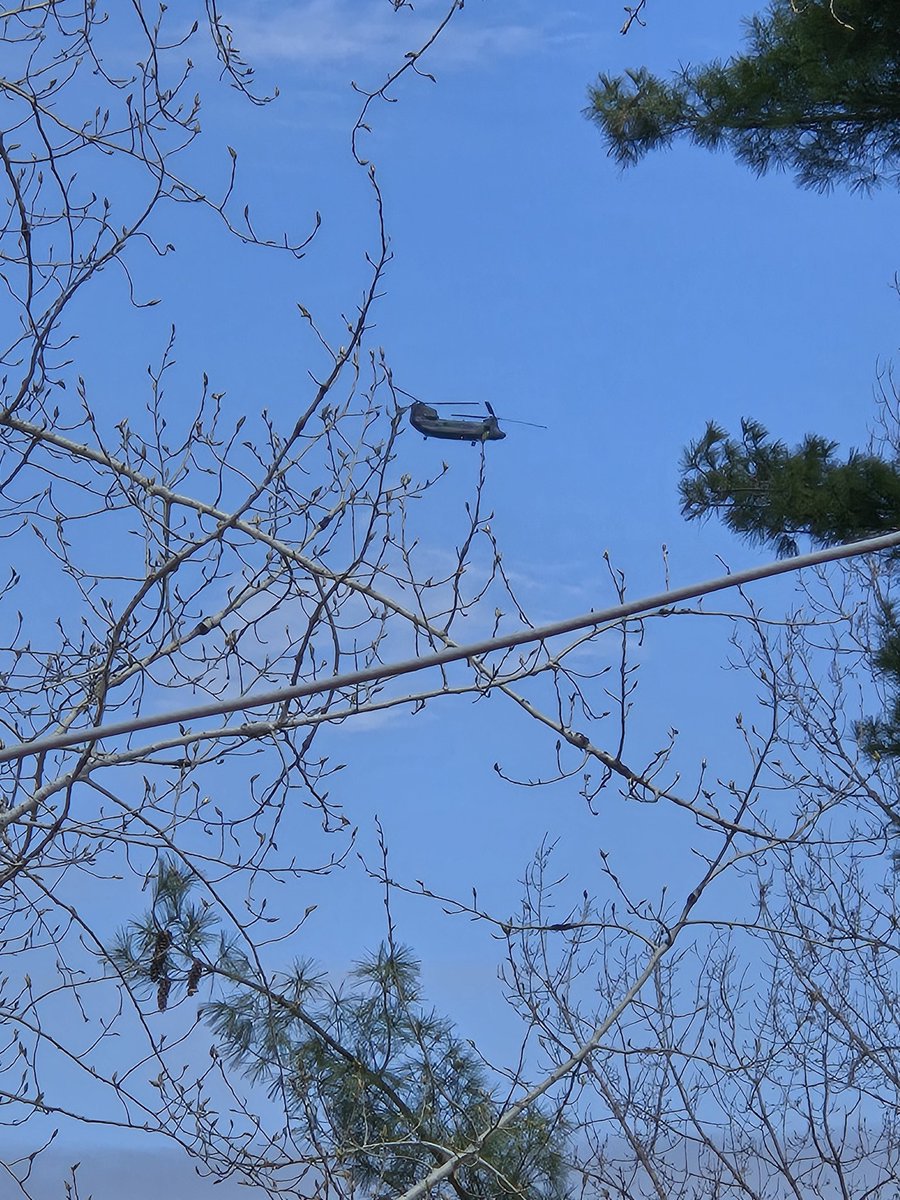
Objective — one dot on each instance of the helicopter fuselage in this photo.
(425, 418)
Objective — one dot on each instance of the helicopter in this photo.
(459, 427)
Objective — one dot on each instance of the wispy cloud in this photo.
(337, 33)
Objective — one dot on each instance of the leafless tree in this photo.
(179, 555)
(759, 1056)
(176, 554)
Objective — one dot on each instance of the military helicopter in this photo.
(459, 427)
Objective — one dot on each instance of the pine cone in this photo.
(160, 955)
(194, 976)
(162, 993)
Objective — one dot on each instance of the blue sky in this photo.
(621, 310)
(530, 271)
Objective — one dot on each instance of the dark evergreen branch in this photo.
(815, 95)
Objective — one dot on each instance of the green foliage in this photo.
(817, 93)
(393, 1087)
(376, 1075)
(768, 493)
(169, 946)
(879, 737)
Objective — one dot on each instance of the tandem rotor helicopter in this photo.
(459, 427)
